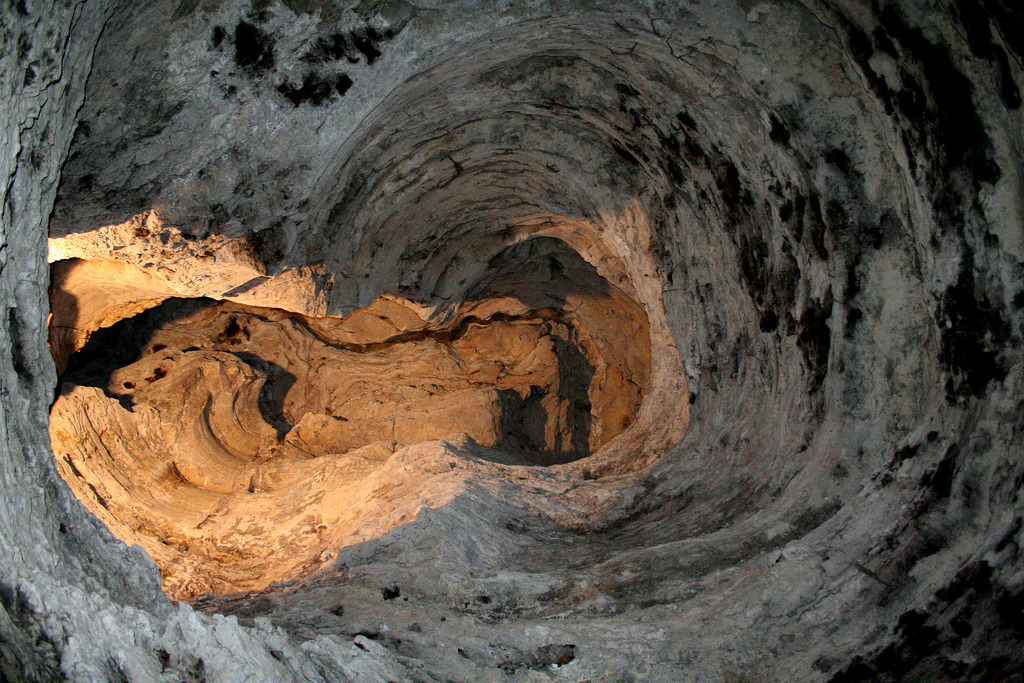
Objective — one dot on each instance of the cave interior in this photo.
(523, 341)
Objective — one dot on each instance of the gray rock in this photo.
(816, 205)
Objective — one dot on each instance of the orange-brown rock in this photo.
(212, 433)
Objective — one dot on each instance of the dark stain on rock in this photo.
(342, 84)
(254, 49)
(671, 161)
(19, 346)
(861, 49)
(977, 25)
(195, 672)
(853, 317)
(674, 150)
(933, 106)
(26, 648)
(24, 45)
(786, 211)
(969, 616)
(883, 43)
(961, 138)
(852, 279)
(728, 182)
(903, 454)
(974, 576)
(779, 133)
(625, 154)
(352, 46)
(754, 262)
(555, 655)
(267, 246)
(686, 120)
(771, 275)
(315, 90)
(217, 36)
(82, 131)
(940, 478)
(973, 334)
(839, 159)
(331, 48)
(626, 90)
(815, 338)
(814, 226)
(366, 43)
(1010, 608)
(150, 116)
(1008, 17)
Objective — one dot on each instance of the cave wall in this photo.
(817, 204)
(77, 604)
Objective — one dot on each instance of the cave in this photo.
(523, 341)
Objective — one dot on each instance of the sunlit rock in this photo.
(484, 342)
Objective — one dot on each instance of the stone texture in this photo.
(240, 446)
(817, 205)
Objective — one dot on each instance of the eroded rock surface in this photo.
(239, 446)
(816, 205)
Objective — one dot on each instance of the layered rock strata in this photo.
(242, 446)
(816, 205)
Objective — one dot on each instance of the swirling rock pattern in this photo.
(816, 205)
(220, 437)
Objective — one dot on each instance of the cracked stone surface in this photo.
(790, 238)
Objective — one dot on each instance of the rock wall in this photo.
(816, 205)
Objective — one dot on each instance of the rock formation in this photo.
(524, 341)
(234, 448)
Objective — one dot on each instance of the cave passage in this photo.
(176, 424)
(469, 341)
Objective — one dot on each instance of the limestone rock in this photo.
(780, 245)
